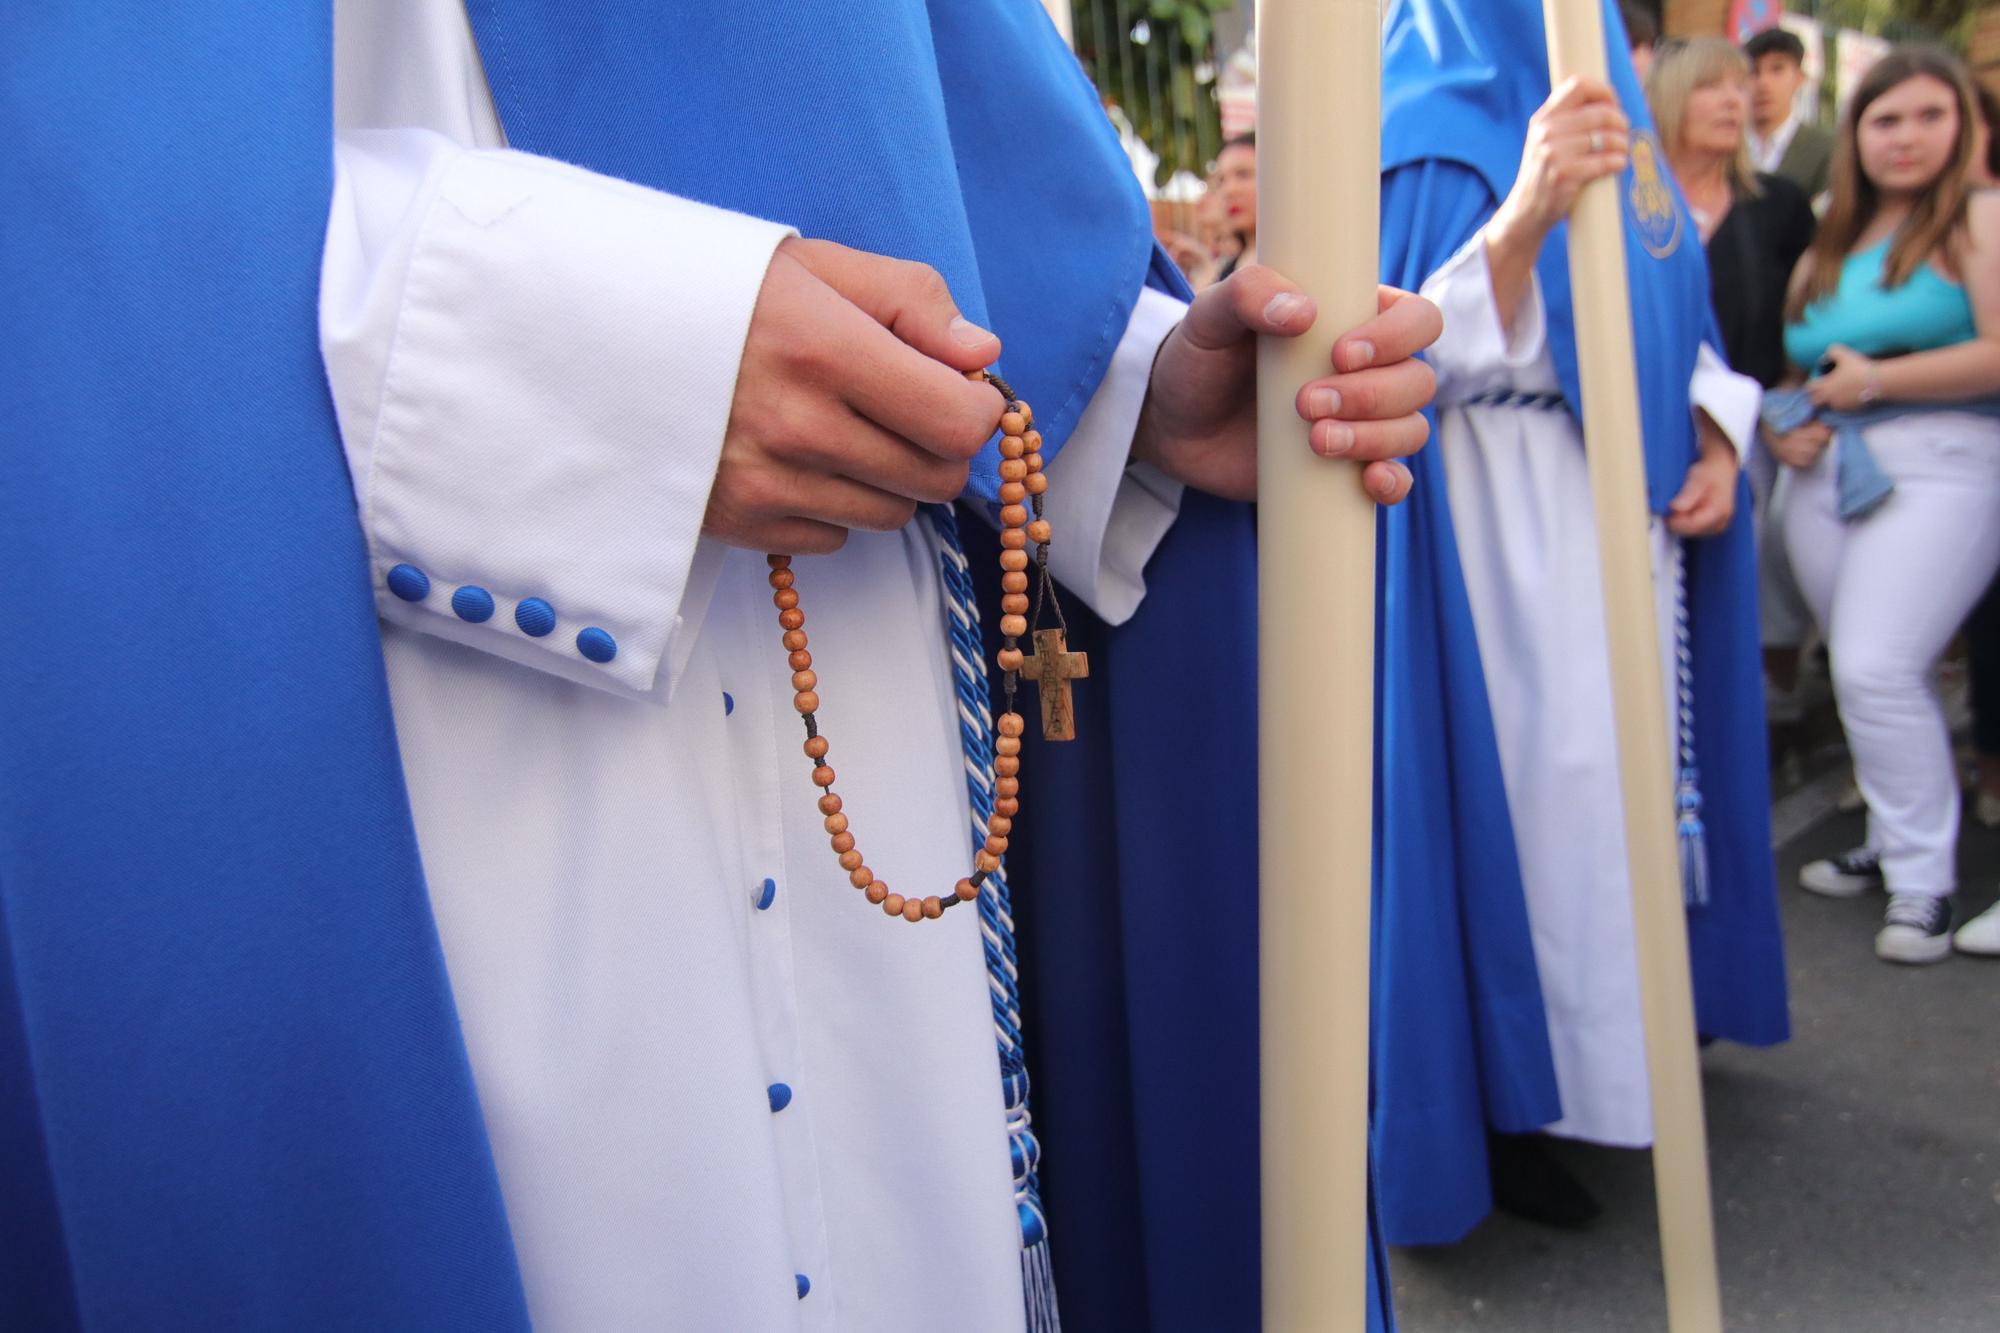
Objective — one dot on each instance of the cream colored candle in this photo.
(1611, 434)
(1319, 75)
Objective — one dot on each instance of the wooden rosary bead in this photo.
(1021, 476)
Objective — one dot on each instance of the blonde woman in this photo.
(1891, 526)
(1753, 224)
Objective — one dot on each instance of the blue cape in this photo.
(1460, 80)
(232, 1084)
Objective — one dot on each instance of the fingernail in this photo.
(1283, 307)
(965, 333)
(1323, 403)
(1333, 438)
(1361, 353)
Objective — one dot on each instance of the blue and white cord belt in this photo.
(1687, 787)
(996, 919)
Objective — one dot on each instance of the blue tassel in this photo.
(1038, 1285)
(1693, 841)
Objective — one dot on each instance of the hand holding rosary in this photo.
(1051, 668)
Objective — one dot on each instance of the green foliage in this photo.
(1899, 20)
(1154, 60)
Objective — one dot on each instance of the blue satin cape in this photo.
(232, 1086)
(1460, 80)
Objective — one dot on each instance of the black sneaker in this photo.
(1915, 929)
(1848, 875)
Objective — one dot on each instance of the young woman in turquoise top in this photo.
(1895, 315)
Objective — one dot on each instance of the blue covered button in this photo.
(535, 617)
(728, 703)
(596, 645)
(473, 603)
(805, 1284)
(409, 583)
(780, 1094)
(767, 893)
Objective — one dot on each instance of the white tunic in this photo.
(645, 929)
(1521, 508)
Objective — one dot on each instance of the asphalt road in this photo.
(1856, 1169)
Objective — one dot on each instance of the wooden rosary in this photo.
(1051, 668)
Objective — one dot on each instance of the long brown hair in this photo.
(1937, 221)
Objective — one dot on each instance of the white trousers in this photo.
(1889, 590)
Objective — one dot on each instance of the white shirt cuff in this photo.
(533, 367)
(1732, 401)
(1109, 514)
(1476, 355)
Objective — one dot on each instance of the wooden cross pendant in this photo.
(1051, 668)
